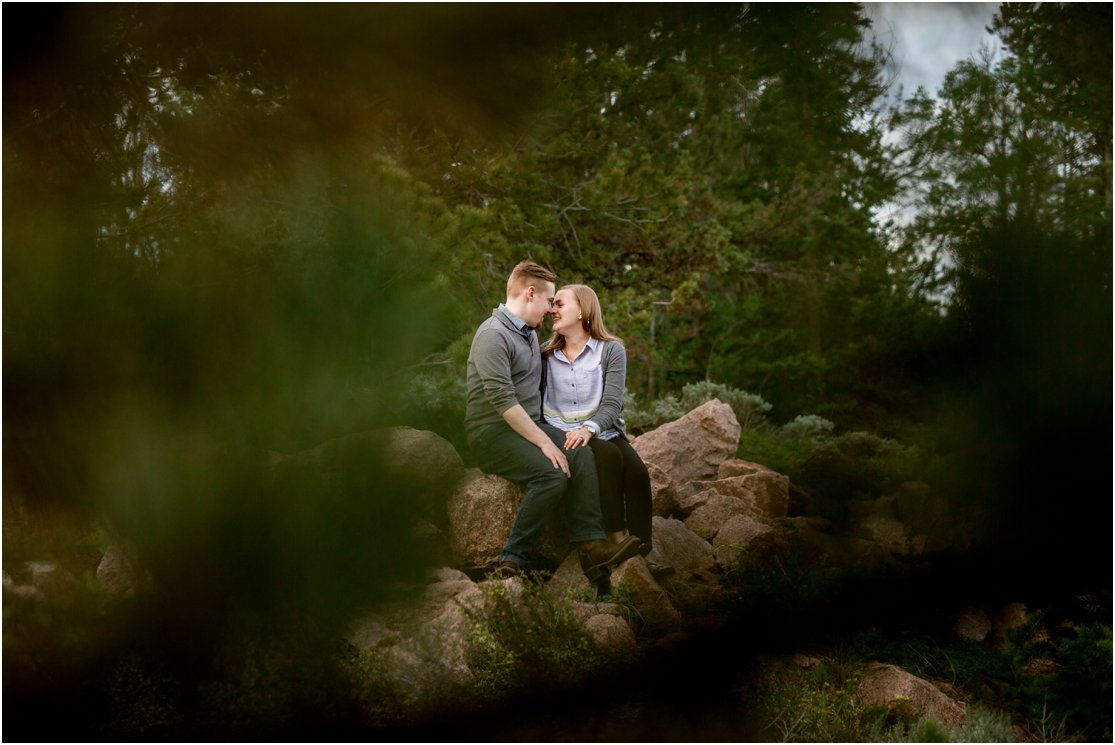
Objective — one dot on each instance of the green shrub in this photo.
(808, 427)
(859, 465)
(778, 453)
(985, 725)
(526, 640)
(621, 595)
(843, 467)
(779, 588)
(930, 730)
(1075, 695)
(434, 393)
(1054, 673)
(818, 705)
(750, 409)
(640, 418)
(981, 725)
(393, 690)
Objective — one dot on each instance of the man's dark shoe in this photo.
(508, 569)
(597, 556)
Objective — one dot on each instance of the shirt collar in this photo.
(590, 345)
(519, 324)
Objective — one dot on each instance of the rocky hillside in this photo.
(467, 642)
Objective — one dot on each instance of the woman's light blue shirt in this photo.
(575, 389)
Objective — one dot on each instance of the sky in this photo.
(928, 39)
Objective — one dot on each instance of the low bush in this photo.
(820, 704)
(778, 453)
(527, 640)
(750, 409)
(1054, 672)
(859, 465)
(808, 427)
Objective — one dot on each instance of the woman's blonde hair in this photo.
(592, 319)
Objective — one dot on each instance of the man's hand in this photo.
(578, 438)
(521, 422)
(551, 451)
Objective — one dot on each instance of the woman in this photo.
(585, 374)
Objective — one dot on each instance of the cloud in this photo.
(928, 39)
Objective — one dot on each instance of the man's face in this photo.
(541, 304)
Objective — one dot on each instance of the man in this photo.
(504, 427)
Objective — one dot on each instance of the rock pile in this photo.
(711, 510)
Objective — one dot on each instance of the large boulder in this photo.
(890, 686)
(693, 447)
(422, 463)
(451, 627)
(768, 494)
(1010, 617)
(648, 597)
(664, 502)
(889, 533)
(711, 510)
(738, 467)
(116, 572)
(973, 624)
(583, 610)
(606, 623)
(612, 635)
(415, 653)
(369, 633)
(740, 536)
(765, 491)
(428, 464)
(481, 512)
(569, 579)
(675, 546)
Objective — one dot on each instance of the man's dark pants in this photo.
(503, 452)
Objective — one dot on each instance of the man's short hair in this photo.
(527, 273)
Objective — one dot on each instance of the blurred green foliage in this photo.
(211, 263)
(233, 234)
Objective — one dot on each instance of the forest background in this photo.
(270, 226)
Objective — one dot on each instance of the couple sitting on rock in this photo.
(551, 420)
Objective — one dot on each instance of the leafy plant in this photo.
(750, 409)
(859, 464)
(809, 427)
(818, 705)
(526, 639)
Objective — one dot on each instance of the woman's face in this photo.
(565, 312)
